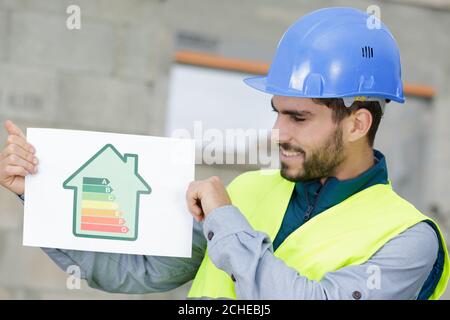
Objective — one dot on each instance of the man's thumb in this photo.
(11, 128)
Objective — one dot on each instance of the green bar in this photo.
(96, 181)
(100, 189)
(98, 196)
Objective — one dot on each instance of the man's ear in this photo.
(358, 124)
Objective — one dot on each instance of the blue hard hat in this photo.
(335, 53)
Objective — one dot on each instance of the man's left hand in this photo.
(206, 195)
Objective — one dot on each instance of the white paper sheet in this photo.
(109, 192)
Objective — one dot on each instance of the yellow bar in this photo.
(98, 204)
(100, 212)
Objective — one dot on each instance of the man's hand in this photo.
(16, 160)
(206, 195)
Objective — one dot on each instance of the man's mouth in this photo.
(289, 153)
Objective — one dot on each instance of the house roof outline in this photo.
(124, 159)
(126, 156)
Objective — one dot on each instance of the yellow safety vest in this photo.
(348, 233)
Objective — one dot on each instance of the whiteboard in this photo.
(219, 99)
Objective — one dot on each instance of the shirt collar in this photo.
(334, 191)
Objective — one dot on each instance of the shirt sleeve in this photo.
(397, 271)
(127, 273)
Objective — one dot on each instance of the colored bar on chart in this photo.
(100, 212)
(98, 196)
(95, 188)
(99, 209)
(90, 204)
(103, 228)
(97, 181)
(102, 220)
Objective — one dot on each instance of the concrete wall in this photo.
(112, 75)
(109, 76)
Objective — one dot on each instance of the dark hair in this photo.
(340, 111)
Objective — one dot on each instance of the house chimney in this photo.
(130, 160)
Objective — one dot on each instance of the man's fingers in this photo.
(198, 211)
(15, 160)
(16, 171)
(194, 206)
(193, 200)
(20, 152)
(11, 128)
(21, 142)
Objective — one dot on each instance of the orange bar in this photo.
(219, 62)
(102, 220)
(262, 68)
(103, 228)
(419, 90)
(100, 212)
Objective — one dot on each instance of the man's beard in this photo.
(321, 163)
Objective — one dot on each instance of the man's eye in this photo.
(298, 119)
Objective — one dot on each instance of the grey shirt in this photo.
(397, 271)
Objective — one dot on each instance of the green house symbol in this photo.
(107, 190)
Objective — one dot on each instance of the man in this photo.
(327, 225)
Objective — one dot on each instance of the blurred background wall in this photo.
(119, 73)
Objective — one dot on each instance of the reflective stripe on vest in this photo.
(348, 233)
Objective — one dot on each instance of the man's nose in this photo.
(280, 132)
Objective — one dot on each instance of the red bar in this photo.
(102, 220)
(103, 228)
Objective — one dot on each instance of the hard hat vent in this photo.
(367, 52)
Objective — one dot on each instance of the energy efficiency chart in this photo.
(99, 210)
(107, 190)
